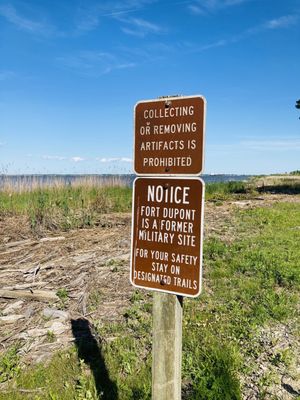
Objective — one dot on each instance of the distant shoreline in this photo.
(43, 180)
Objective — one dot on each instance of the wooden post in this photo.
(167, 346)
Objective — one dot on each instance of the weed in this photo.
(9, 364)
(282, 357)
(94, 300)
(112, 262)
(63, 296)
(136, 296)
(50, 336)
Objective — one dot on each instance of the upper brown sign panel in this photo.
(169, 136)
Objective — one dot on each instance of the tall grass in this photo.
(62, 204)
(225, 190)
(59, 204)
(65, 207)
(29, 183)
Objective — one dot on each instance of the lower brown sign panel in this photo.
(166, 253)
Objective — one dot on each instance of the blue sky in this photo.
(71, 72)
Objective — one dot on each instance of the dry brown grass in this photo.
(23, 183)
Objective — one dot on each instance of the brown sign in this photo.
(166, 253)
(169, 136)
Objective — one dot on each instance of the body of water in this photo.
(23, 182)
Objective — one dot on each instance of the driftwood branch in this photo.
(42, 295)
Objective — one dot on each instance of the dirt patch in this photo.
(82, 273)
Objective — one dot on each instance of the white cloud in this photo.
(47, 157)
(86, 60)
(140, 27)
(120, 66)
(94, 63)
(25, 24)
(278, 23)
(87, 20)
(229, 3)
(202, 7)
(282, 22)
(77, 159)
(89, 17)
(108, 160)
(219, 43)
(114, 159)
(62, 158)
(195, 9)
(156, 51)
(126, 159)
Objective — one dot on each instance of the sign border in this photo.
(180, 174)
(201, 234)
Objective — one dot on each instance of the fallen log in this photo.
(21, 243)
(42, 295)
(52, 239)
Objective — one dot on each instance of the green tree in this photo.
(297, 105)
